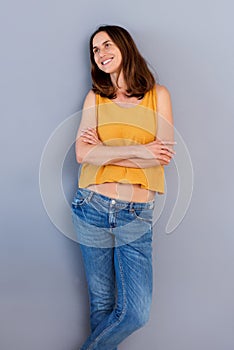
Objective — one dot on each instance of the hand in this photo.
(90, 136)
(161, 151)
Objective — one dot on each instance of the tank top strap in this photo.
(98, 97)
(150, 99)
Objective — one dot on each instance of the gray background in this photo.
(44, 78)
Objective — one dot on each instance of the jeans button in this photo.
(112, 201)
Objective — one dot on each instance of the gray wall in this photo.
(44, 78)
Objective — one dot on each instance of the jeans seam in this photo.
(123, 312)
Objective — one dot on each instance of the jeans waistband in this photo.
(117, 202)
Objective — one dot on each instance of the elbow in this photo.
(79, 159)
(80, 154)
(85, 154)
(82, 158)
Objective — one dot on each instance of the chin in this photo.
(108, 71)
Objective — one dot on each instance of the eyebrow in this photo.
(94, 47)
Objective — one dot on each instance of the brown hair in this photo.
(137, 75)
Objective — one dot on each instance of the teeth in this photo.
(107, 61)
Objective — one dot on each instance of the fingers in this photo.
(89, 131)
(167, 151)
(164, 148)
(89, 135)
(164, 160)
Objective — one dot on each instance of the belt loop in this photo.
(90, 195)
(131, 207)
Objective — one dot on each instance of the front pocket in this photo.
(143, 214)
(80, 198)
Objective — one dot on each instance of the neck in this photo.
(121, 87)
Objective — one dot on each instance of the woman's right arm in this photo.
(98, 153)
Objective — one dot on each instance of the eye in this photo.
(96, 50)
(107, 45)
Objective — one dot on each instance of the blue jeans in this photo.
(115, 238)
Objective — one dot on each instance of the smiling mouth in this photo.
(106, 61)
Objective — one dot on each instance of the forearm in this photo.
(89, 149)
(137, 163)
(101, 154)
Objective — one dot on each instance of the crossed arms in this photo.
(89, 149)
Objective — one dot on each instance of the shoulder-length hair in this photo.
(137, 75)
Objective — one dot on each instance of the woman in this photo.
(123, 146)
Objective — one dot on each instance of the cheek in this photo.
(95, 60)
(119, 56)
(119, 59)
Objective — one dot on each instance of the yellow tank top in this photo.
(119, 126)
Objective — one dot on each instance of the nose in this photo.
(101, 52)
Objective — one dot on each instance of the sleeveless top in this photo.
(119, 126)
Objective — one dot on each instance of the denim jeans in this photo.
(115, 238)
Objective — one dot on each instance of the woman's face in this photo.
(106, 53)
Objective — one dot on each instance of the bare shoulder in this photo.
(88, 118)
(90, 99)
(162, 91)
(164, 106)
